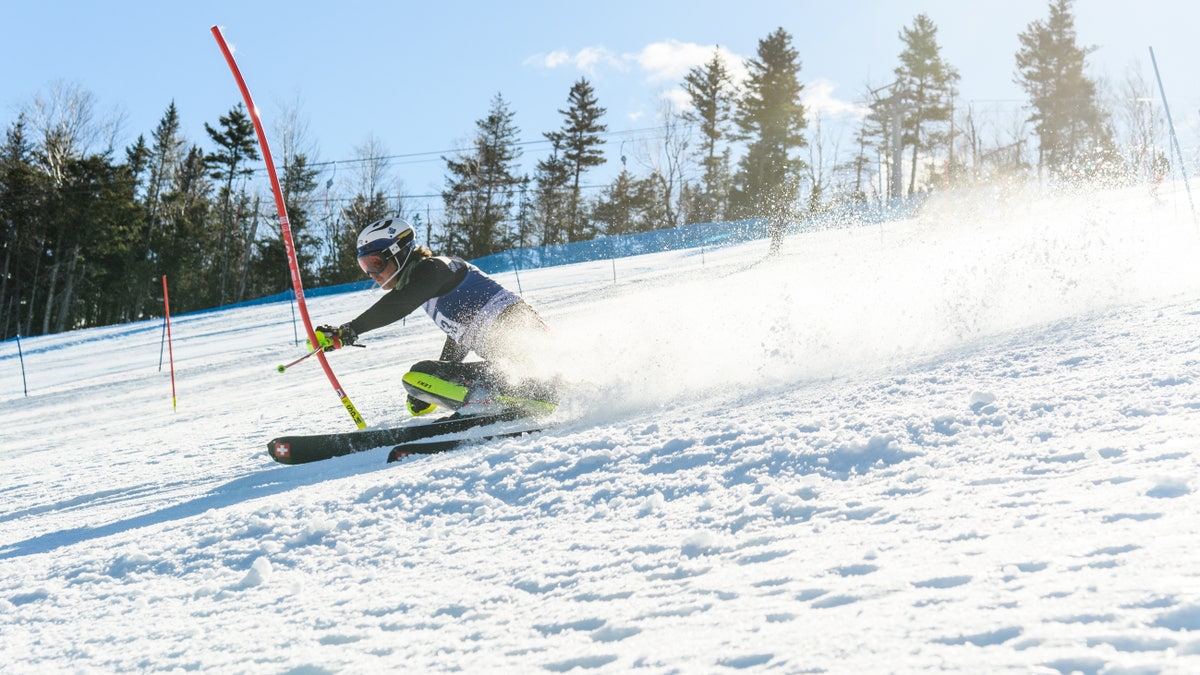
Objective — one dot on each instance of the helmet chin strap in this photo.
(399, 268)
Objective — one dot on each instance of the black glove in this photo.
(331, 338)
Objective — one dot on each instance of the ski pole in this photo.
(284, 366)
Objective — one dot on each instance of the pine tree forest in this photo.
(90, 230)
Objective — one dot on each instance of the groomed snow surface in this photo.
(964, 442)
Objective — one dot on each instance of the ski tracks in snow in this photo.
(1017, 499)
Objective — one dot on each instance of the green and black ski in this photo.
(433, 447)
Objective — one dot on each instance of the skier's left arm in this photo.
(426, 282)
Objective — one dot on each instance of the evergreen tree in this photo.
(1067, 116)
(185, 212)
(66, 129)
(859, 164)
(151, 167)
(553, 197)
(165, 155)
(362, 210)
(481, 188)
(266, 269)
(162, 161)
(525, 214)
(77, 245)
(137, 161)
(771, 118)
(925, 82)
(104, 270)
(236, 149)
(86, 225)
(137, 157)
(579, 142)
(299, 186)
(630, 205)
(711, 91)
(22, 192)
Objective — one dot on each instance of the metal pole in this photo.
(612, 255)
(170, 349)
(1174, 138)
(21, 357)
(512, 257)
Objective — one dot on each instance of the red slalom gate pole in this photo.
(284, 225)
(170, 350)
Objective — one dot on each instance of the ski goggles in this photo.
(373, 263)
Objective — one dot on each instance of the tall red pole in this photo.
(284, 225)
(170, 350)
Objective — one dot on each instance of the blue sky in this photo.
(416, 76)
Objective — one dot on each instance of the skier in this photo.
(476, 313)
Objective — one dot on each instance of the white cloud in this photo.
(552, 60)
(556, 58)
(667, 62)
(588, 59)
(670, 60)
(818, 98)
(678, 98)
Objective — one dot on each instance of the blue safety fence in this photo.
(688, 236)
(713, 235)
(624, 246)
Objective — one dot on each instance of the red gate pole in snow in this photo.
(288, 244)
(170, 351)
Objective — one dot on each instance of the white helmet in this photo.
(384, 240)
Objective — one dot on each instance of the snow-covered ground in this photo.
(963, 442)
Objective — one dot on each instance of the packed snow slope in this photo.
(965, 442)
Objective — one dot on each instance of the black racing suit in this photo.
(475, 312)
